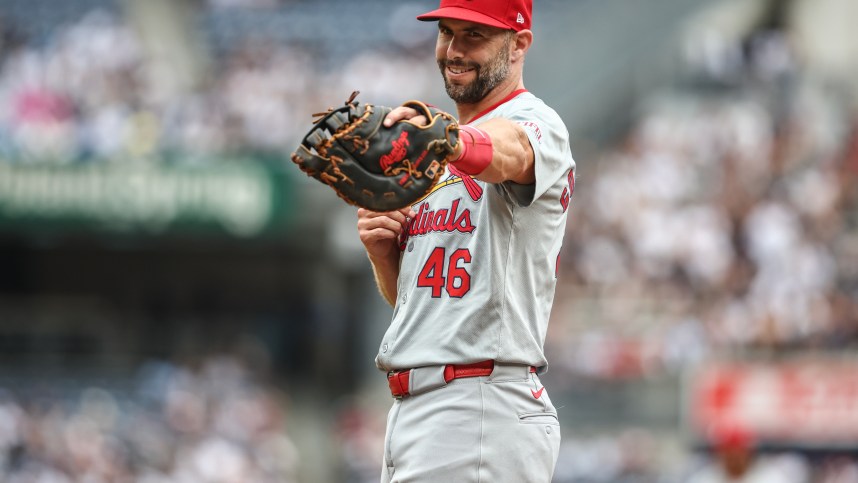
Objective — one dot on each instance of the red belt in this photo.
(399, 380)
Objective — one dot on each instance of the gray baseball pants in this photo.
(492, 429)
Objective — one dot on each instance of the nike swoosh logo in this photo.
(537, 394)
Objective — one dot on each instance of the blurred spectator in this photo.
(360, 434)
(735, 460)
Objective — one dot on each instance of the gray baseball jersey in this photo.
(479, 260)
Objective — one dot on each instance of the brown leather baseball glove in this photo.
(372, 166)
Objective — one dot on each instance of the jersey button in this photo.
(384, 348)
(404, 297)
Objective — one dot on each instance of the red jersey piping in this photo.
(495, 106)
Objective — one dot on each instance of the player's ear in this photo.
(521, 41)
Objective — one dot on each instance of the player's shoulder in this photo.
(528, 109)
(528, 102)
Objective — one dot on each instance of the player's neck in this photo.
(467, 112)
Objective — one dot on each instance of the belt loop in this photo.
(398, 383)
(427, 378)
(512, 372)
(449, 373)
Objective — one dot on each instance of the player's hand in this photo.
(379, 232)
(412, 115)
(407, 113)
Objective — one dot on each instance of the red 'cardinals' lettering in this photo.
(396, 154)
(445, 219)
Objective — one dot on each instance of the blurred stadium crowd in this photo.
(724, 223)
(214, 421)
(80, 92)
(85, 91)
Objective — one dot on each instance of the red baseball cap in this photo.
(505, 14)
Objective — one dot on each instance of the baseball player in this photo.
(471, 268)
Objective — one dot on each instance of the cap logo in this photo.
(519, 18)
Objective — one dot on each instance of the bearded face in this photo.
(488, 76)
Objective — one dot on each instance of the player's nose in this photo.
(454, 49)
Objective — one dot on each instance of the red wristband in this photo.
(476, 152)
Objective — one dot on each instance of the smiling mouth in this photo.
(454, 69)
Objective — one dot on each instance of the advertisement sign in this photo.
(806, 402)
(240, 198)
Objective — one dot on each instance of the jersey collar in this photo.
(497, 104)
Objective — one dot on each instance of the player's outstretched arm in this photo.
(512, 157)
(379, 233)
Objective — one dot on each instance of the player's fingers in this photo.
(364, 213)
(401, 113)
(369, 224)
(399, 215)
(420, 120)
(381, 234)
(408, 212)
(380, 243)
(402, 215)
